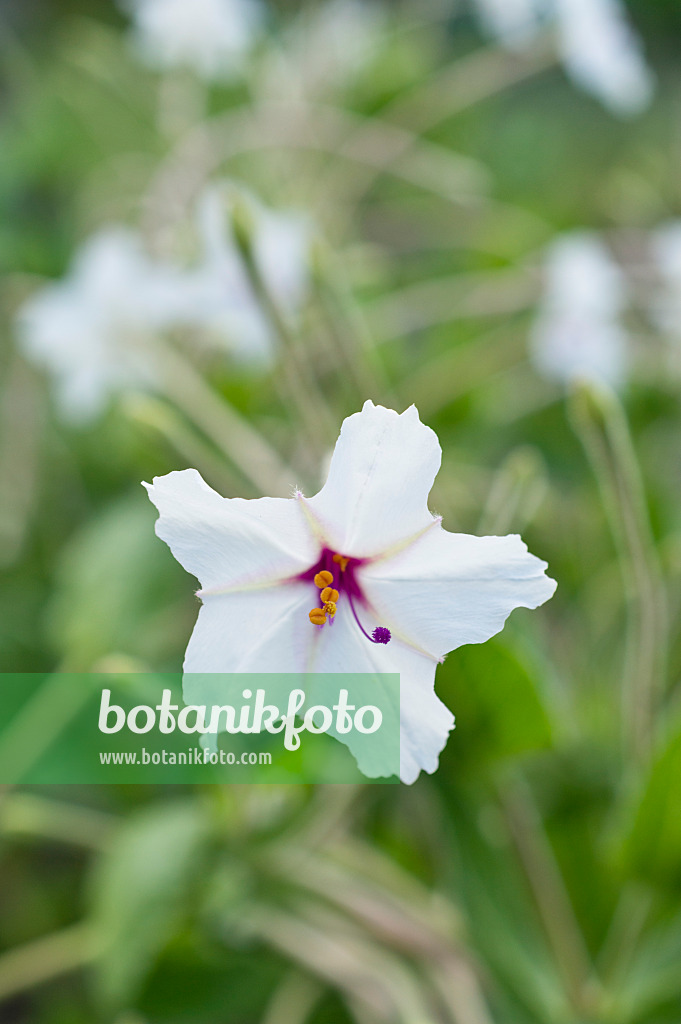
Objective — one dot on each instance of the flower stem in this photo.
(47, 958)
(601, 425)
(463, 83)
(327, 945)
(28, 814)
(40, 720)
(417, 307)
(551, 897)
(517, 491)
(294, 1000)
(242, 443)
(159, 416)
(299, 376)
(455, 88)
(350, 334)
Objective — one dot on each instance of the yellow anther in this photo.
(323, 579)
(330, 608)
(317, 616)
(328, 594)
(342, 561)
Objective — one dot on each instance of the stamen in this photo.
(381, 634)
(347, 586)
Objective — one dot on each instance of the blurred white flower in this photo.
(596, 44)
(577, 333)
(93, 330)
(666, 250)
(295, 584)
(219, 292)
(603, 55)
(515, 23)
(90, 330)
(212, 37)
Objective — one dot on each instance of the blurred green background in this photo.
(536, 877)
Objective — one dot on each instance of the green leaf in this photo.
(651, 848)
(113, 586)
(500, 707)
(141, 891)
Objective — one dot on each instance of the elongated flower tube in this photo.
(360, 578)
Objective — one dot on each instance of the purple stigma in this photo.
(381, 635)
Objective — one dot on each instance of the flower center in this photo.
(335, 575)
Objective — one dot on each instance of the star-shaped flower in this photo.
(360, 578)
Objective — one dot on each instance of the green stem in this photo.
(294, 1000)
(420, 306)
(27, 814)
(298, 373)
(228, 429)
(159, 416)
(23, 968)
(550, 894)
(446, 93)
(601, 425)
(345, 958)
(351, 335)
(628, 921)
(462, 83)
(41, 719)
(517, 491)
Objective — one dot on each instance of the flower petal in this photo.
(260, 630)
(268, 630)
(381, 473)
(449, 589)
(425, 722)
(229, 543)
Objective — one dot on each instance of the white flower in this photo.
(666, 249)
(577, 334)
(396, 571)
(89, 329)
(603, 55)
(515, 23)
(93, 330)
(598, 48)
(212, 37)
(220, 296)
